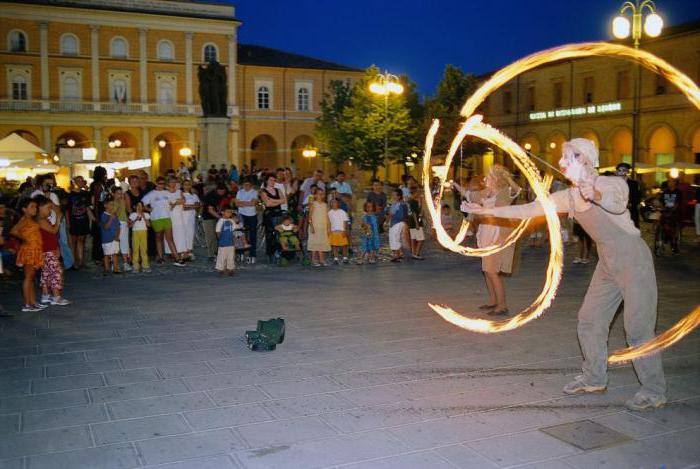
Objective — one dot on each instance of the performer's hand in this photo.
(476, 209)
(588, 191)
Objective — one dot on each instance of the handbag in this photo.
(266, 336)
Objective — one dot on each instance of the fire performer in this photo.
(625, 271)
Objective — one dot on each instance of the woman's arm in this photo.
(561, 201)
(47, 226)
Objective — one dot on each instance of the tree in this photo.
(328, 133)
(451, 94)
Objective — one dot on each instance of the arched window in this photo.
(210, 53)
(17, 41)
(19, 87)
(165, 50)
(263, 97)
(69, 44)
(118, 47)
(303, 99)
(70, 89)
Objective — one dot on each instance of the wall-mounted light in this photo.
(70, 142)
(162, 143)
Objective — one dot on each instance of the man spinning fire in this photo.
(625, 272)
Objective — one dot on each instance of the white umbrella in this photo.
(15, 148)
(640, 168)
(687, 168)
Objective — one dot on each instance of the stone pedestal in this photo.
(213, 142)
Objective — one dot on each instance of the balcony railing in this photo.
(101, 107)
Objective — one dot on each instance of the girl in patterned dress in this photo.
(51, 280)
(29, 255)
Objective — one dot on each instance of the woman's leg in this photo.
(159, 244)
(80, 243)
(322, 257)
(28, 285)
(490, 288)
(171, 243)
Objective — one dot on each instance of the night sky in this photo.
(418, 37)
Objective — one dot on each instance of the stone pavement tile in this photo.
(222, 417)
(92, 345)
(321, 453)
(45, 401)
(464, 458)
(633, 425)
(683, 443)
(13, 388)
(172, 358)
(67, 369)
(237, 395)
(65, 417)
(193, 445)
(9, 423)
(44, 441)
(122, 431)
(295, 388)
(445, 431)
(10, 363)
(137, 350)
(159, 405)
(676, 415)
(124, 392)
(521, 448)
(368, 418)
(225, 380)
(19, 351)
(216, 462)
(284, 432)
(122, 456)
(137, 375)
(552, 464)
(307, 405)
(637, 454)
(405, 461)
(16, 374)
(17, 463)
(182, 370)
(65, 383)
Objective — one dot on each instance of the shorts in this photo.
(417, 234)
(110, 248)
(338, 238)
(396, 236)
(161, 224)
(226, 258)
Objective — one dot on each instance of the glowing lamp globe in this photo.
(395, 88)
(70, 142)
(378, 88)
(621, 27)
(653, 25)
(117, 143)
(552, 145)
(675, 173)
(186, 151)
(162, 143)
(528, 146)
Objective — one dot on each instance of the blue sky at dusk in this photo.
(418, 37)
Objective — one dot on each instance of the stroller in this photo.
(289, 244)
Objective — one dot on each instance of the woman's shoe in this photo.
(500, 312)
(484, 307)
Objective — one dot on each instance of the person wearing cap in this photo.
(625, 272)
(623, 170)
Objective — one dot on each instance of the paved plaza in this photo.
(150, 371)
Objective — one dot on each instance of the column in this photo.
(235, 149)
(46, 139)
(97, 137)
(145, 142)
(192, 143)
(232, 61)
(188, 69)
(44, 53)
(95, 65)
(143, 67)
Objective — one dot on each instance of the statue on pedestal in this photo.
(213, 90)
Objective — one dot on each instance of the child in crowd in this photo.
(29, 256)
(226, 254)
(398, 214)
(139, 221)
(318, 228)
(240, 238)
(415, 223)
(340, 231)
(120, 211)
(288, 239)
(446, 220)
(109, 231)
(51, 280)
(370, 234)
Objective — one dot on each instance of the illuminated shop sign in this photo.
(577, 111)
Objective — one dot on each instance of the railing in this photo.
(100, 107)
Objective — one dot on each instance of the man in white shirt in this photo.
(316, 179)
(247, 201)
(340, 185)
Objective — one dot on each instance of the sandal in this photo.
(500, 312)
(484, 307)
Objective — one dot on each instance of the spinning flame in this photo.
(473, 126)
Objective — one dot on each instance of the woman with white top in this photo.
(159, 201)
(190, 207)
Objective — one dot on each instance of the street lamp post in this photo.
(621, 28)
(385, 84)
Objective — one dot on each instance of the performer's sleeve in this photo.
(614, 193)
(534, 209)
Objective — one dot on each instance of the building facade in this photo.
(594, 98)
(121, 77)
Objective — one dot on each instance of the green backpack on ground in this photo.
(267, 335)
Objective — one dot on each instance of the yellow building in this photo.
(121, 77)
(593, 98)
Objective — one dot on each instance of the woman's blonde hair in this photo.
(501, 176)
